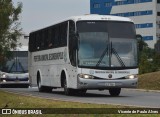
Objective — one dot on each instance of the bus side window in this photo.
(53, 37)
(50, 43)
(37, 41)
(34, 43)
(72, 51)
(56, 36)
(41, 39)
(31, 42)
(46, 39)
(63, 31)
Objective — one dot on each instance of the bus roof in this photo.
(93, 17)
(100, 17)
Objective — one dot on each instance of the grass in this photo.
(10, 100)
(150, 81)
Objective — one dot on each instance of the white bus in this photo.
(14, 73)
(84, 53)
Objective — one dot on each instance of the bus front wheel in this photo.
(67, 91)
(115, 91)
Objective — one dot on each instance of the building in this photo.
(144, 13)
(23, 40)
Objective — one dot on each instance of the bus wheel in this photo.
(115, 91)
(82, 92)
(40, 87)
(48, 89)
(67, 91)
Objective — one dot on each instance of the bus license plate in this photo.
(110, 84)
(16, 80)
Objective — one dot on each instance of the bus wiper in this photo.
(102, 56)
(118, 57)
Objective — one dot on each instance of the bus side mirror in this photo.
(139, 37)
(140, 42)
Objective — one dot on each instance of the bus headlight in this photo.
(3, 76)
(85, 76)
(131, 76)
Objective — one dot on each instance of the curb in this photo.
(144, 90)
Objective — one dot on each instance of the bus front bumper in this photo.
(106, 84)
(13, 82)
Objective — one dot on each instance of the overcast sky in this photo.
(41, 13)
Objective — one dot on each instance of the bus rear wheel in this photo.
(40, 87)
(43, 88)
(82, 92)
(115, 91)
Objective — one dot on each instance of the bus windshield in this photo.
(18, 63)
(107, 44)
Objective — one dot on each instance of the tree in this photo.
(156, 61)
(149, 59)
(9, 27)
(141, 44)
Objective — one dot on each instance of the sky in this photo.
(38, 14)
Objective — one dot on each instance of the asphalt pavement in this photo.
(138, 98)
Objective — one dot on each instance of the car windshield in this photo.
(18, 63)
(105, 44)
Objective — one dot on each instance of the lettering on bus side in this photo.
(47, 57)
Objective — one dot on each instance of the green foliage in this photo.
(156, 61)
(145, 65)
(141, 44)
(149, 60)
(9, 27)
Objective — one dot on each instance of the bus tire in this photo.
(48, 89)
(115, 91)
(40, 87)
(67, 91)
(82, 92)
